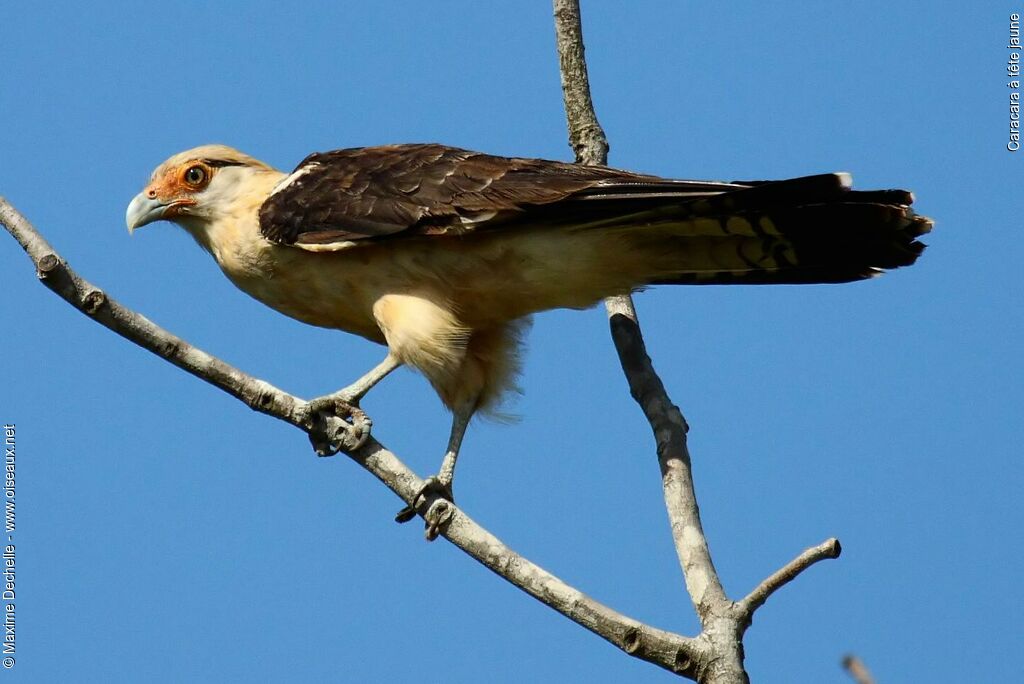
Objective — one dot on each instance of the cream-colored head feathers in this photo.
(215, 153)
(203, 185)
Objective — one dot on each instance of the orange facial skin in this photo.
(175, 186)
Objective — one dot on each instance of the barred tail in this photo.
(805, 230)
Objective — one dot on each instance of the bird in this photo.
(442, 254)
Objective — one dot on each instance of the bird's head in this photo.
(199, 186)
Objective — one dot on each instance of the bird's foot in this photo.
(440, 511)
(328, 437)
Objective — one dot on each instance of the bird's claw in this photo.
(439, 512)
(328, 437)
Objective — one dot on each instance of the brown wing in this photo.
(371, 193)
(813, 229)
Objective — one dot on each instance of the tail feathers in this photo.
(805, 230)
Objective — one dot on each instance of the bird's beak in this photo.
(143, 210)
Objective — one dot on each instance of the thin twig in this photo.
(857, 670)
(830, 548)
(671, 651)
(586, 137)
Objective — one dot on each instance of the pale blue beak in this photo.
(143, 210)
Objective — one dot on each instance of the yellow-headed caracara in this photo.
(442, 253)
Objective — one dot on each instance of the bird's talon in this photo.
(328, 437)
(405, 515)
(333, 404)
(431, 532)
(436, 515)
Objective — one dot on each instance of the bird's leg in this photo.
(345, 404)
(441, 484)
(357, 390)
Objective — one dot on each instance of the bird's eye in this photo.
(195, 175)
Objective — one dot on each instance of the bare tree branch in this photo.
(722, 622)
(588, 140)
(671, 651)
(87, 298)
(586, 137)
(830, 548)
(669, 428)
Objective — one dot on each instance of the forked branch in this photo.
(722, 621)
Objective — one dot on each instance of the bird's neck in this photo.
(236, 225)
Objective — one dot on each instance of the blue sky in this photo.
(167, 533)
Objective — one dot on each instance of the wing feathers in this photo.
(811, 229)
(373, 192)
